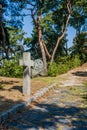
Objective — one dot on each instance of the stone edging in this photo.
(9, 113)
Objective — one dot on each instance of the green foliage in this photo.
(16, 36)
(11, 68)
(84, 58)
(85, 84)
(62, 68)
(1, 86)
(56, 69)
(75, 61)
(64, 64)
(53, 16)
(52, 71)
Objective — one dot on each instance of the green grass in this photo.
(1, 86)
(76, 90)
(45, 79)
(85, 84)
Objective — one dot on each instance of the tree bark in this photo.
(47, 53)
(63, 33)
(3, 35)
(41, 44)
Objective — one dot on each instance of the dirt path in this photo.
(62, 108)
(75, 77)
(11, 88)
(11, 91)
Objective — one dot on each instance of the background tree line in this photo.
(50, 21)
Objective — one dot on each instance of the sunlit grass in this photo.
(45, 79)
(85, 84)
(78, 93)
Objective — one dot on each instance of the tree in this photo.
(80, 42)
(79, 16)
(58, 13)
(38, 9)
(10, 34)
(16, 37)
(4, 40)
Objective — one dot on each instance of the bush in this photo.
(75, 62)
(52, 70)
(56, 69)
(11, 68)
(64, 65)
(62, 68)
(1, 86)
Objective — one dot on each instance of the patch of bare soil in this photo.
(11, 88)
(75, 77)
(11, 91)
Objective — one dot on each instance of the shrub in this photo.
(1, 86)
(64, 64)
(75, 62)
(11, 68)
(52, 70)
(56, 69)
(62, 68)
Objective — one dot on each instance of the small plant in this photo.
(11, 68)
(52, 71)
(62, 68)
(76, 61)
(1, 86)
(85, 84)
(64, 65)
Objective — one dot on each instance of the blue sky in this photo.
(71, 34)
(28, 26)
(28, 29)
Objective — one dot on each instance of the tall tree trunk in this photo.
(3, 35)
(46, 51)
(37, 25)
(1, 26)
(41, 44)
(64, 32)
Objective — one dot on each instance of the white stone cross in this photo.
(26, 61)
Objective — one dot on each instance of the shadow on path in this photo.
(80, 73)
(49, 117)
(16, 88)
(6, 104)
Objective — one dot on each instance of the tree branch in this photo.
(46, 50)
(30, 3)
(63, 34)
